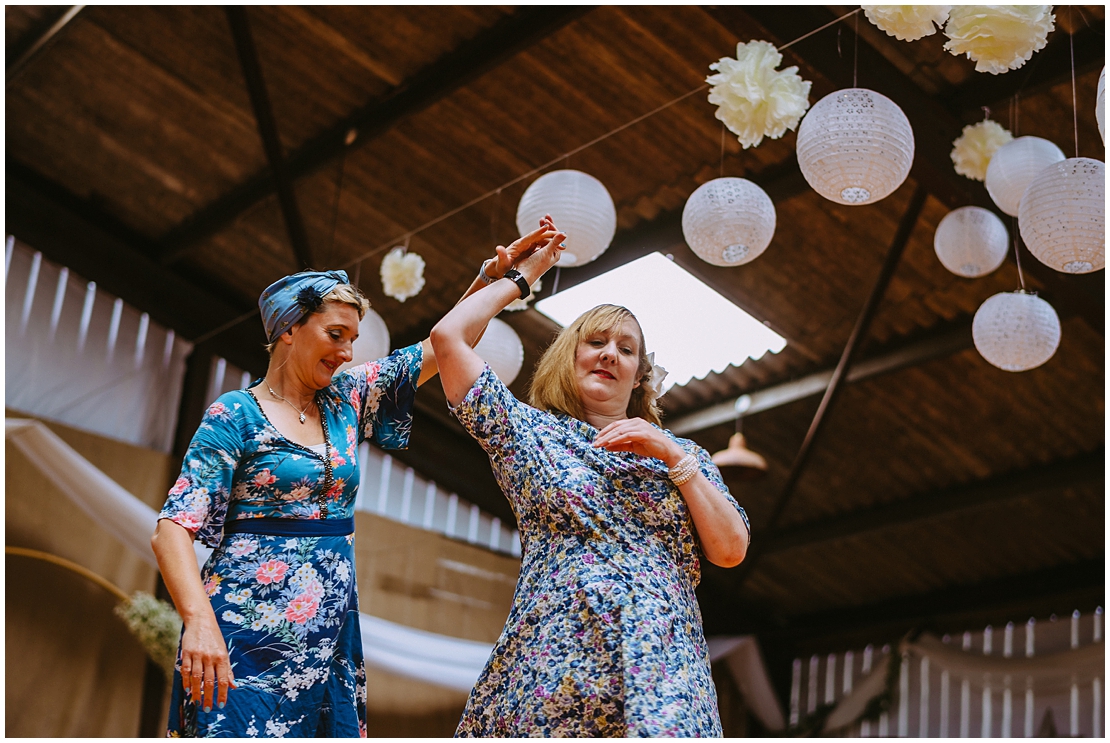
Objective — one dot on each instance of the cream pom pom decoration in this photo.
(907, 22)
(755, 100)
(998, 38)
(402, 274)
(972, 151)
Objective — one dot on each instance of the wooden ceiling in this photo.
(185, 157)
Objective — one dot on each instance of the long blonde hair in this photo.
(554, 386)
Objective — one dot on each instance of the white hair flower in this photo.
(753, 99)
(522, 304)
(907, 22)
(972, 151)
(998, 38)
(653, 385)
(402, 274)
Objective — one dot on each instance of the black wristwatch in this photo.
(522, 283)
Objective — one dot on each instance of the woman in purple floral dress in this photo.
(604, 637)
(271, 644)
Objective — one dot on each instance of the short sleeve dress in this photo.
(287, 606)
(604, 637)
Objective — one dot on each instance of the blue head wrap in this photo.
(289, 299)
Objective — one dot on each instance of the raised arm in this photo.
(494, 269)
(453, 337)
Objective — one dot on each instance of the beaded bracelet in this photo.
(684, 471)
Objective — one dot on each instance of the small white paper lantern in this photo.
(1014, 165)
(581, 207)
(971, 241)
(372, 342)
(1063, 216)
(1100, 105)
(1016, 331)
(501, 348)
(855, 146)
(728, 221)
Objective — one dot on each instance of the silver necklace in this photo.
(279, 397)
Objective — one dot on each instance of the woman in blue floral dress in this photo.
(271, 644)
(604, 637)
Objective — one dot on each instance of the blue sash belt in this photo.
(277, 527)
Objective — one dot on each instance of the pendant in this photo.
(302, 417)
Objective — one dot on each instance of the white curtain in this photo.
(744, 661)
(436, 659)
(82, 357)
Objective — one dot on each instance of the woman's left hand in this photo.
(639, 437)
(522, 247)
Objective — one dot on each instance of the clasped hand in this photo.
(639, 437)
(545, 240)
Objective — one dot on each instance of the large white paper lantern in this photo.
(1100, 105)
(1063, 216)
(855, 146)
(971, 241)
(728, 221)
(1016, 331)
(501, 348)
(581, 207)
(1014, 165)
(372, 342)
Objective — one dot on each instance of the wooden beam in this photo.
(267, 129)
(17, 66)
(935, 343)
(523, 30)
(1050, 478)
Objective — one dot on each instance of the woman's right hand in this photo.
(543, 257)
(205, 667)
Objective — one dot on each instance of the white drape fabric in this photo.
(436, 659)
(744, 661)
(79, 356)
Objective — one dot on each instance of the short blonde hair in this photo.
(554, 386)
(340, 294)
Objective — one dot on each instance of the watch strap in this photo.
(522, 283)
(485, 277)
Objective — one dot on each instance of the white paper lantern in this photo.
(728, 221)
(581, 207)
(1016, 331)
(372, 342)
(971, 241)
(1063, 216)
(501, 348)
(1100, 105)
(1013, 165)
(855, 146)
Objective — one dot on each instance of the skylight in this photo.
(692, 329)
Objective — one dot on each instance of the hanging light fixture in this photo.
(501, 348)
(739, 463)
(971, 241)
(855, 146)
(1063, 218)
(1016, 331)
(728, 221)
(1014, 165)
(372, 342)
(581, 207)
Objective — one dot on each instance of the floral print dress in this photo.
(604, 637)
(287, 606)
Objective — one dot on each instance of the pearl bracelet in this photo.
(684, 471)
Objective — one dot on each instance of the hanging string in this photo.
(358, 273)
(565, 157)
(722, 174)
(351, 135)
(555, 283)
(1074, 107)
(855, 56)
(1017, 252)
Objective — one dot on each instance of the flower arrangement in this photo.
(155, 624)
(998, 38)
(402, 274)
(653, 381)
(973, 149)
(753, 98)
(309, 299)
(907, 22)
(522, 304)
